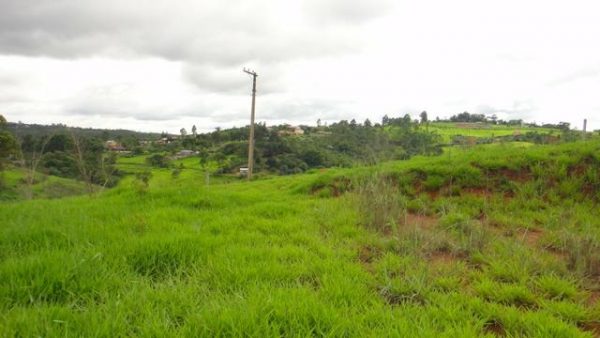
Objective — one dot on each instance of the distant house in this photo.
(112, 145)
(291, 130)
(185, 153)
(163, 140)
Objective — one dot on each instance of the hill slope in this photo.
(497, 240)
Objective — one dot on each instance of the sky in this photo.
(163, 65)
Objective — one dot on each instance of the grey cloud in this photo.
(233, 80)
(191, 31)
(117, 100)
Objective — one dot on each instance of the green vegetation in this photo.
(449, 131)
(42, 186)
(8, 148)
(491, 240)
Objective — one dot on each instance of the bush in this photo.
(158, 160)
(142, 181)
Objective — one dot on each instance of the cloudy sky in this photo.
(161, 65)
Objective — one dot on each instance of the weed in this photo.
(380, 203)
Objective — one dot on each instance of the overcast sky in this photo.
(161, 65)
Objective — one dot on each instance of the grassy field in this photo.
(495, 240)
(43, 186)
(447, 130)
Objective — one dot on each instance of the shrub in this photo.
(158, 160)
(142, 181)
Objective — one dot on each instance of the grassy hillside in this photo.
(490, 241)
(450, 129)
(43, 186)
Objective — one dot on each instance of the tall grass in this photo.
(276, 257)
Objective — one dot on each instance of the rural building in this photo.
(291, 130)
(163, 140)
(113, 145)
(185, 153)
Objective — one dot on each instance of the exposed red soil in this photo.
(594, 298)
(581, 167)
(591, 327)
(469, 125)
(494, 224)
(442, 258)
(521, 175)
(423, 221)
(433, 195)
(558, 254)
(367, 254)
(479, 192)
(530, 236)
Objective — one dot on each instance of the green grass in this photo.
(448, 130)
(43, 187)
(132, 164)
(495, 240)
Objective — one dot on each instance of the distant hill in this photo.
(22, 129)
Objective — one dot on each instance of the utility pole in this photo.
(584, 128)
(251, 139)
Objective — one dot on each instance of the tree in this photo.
(423, 116)
(58, 142)
(88, 155)
(564, 126)
(158, 160)
(183, 133)
(203, 155)
(385, 120)
(31, 155)
(8, 144)
(194, 131)
(466, 117)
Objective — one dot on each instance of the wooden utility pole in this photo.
(251, 139)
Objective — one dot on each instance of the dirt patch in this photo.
(594, 298)
(479, 192)
(529, 236)
(560, 255)
(592, 327)
(442, 258)
(368, 254)
(433, 195)
(494, 327)
(521, 175)
(422, 221)
(582, 166)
